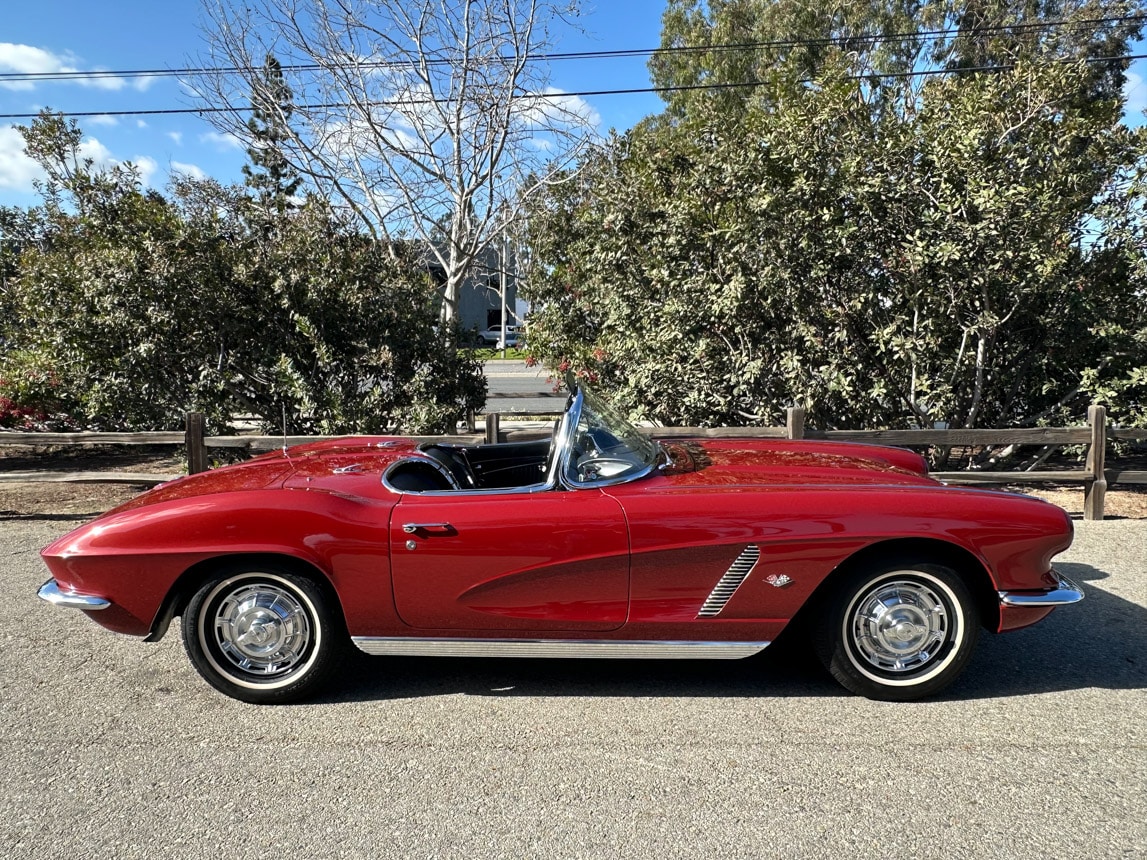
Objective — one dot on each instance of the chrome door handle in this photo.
(413, 528)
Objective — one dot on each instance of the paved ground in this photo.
(113, 748)
(513, 387)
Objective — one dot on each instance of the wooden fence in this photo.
(1094, 477)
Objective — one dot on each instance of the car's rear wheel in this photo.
(263, 635)
(898, 632)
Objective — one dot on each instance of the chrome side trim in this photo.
(618, 649)
(1065, 593)
(477, 492)
(51, 592)
(728, 584)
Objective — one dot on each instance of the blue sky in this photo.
(145, 34)
(83, 35)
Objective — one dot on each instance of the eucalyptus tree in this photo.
(730, 53)
(137, 306)
(962, 247)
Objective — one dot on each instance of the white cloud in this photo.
(346, 138)
(192, 170)
(29, 60)
(222, 141)
(102, 119)
(555, 108)
(139, 123)
(17, 170)
(100, 155)
(146, 167)
(102, 158)
(177, 136)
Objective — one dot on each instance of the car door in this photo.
(552, 560)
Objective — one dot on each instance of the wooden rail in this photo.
(1094, 477)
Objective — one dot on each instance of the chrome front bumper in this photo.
(50, 591)
(1064, 593)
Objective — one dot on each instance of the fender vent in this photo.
(730, 582)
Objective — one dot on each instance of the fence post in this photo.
(193, 438)
(794, 423)
(1096, 486)
(492, 421)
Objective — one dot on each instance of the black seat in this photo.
(413, 476)
(454, 461)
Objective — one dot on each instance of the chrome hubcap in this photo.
(900, 625)
(262, 629)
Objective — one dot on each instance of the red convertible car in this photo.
(597, 542)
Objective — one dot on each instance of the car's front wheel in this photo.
(263, 635)
(898, 632)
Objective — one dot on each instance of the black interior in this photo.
(415, 476)
(474, 467)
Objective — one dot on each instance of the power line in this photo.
(871, 39)
(920, 73)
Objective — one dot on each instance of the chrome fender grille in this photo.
(728, 584)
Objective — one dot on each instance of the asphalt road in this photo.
(513, 387)
(113, 748)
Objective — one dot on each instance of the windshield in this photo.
(603, 447)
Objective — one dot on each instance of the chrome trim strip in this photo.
(478, 492)
(728, 584)
(618, 649)
(51, 592)
(1064, 594)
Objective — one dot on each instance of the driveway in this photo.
(114, 748)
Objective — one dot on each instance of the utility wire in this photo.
(871, 39)
(920, 73)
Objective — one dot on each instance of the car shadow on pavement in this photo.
(380, 678)
(17, 516)
(1099, 643)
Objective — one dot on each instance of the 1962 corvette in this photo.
(597, 542)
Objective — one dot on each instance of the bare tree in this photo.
(423, 118)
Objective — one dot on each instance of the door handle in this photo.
(433, 528)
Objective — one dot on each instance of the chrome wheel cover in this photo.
(902, 628)
(257, 631)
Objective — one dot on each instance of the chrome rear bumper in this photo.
(51, 592)
(1064, 593)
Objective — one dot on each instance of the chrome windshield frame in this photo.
(568, 431)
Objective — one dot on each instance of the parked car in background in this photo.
(493, 336)
(598, 541)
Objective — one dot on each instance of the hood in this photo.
(752, 462)
(367, 456)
